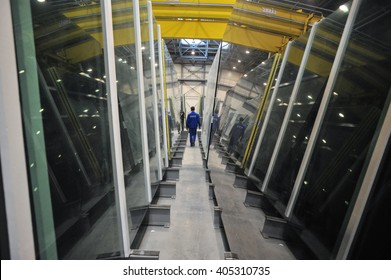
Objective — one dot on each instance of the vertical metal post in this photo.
(141, 98)
(367, 183)
(290, 106)
(12, 147)
(115, 135)
(154, 90)
(323, 105)
(163, 104)
(269, 111)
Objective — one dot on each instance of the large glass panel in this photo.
(129, 104)
(149, 98)
(173, 105)
(279, 107)
(241, 107)
(65, 115)
(305, 108)
(363, 83)
(208, 103)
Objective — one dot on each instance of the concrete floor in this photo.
(242, 224)
(191, 235)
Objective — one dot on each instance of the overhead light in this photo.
(193, 52)
(239, 61)
(234, 67)
(84, 74)
(335, 93)
(247, 52)
(309, 97)
(278, 99)
(41, 1)
(245, 75)
(264, 84)
(344, 8)
(89, 70)
(21, 71)
(324, 141)
(341, 115)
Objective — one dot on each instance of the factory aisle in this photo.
(191, 235)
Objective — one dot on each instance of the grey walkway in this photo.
(191, 235)
(242, 224)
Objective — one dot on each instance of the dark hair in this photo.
(192, 108)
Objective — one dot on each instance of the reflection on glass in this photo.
(63, 93)
(173, 105)
(208, 103)
(305, 108)
(241, 107)
(330, 184)
(148, 93)
(278, 109)
(127, 86)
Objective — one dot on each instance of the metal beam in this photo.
(254, 38)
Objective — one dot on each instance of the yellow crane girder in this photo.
(232, 21)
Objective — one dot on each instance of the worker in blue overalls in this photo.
(192, 122)
(236, 134)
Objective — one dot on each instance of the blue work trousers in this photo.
(193, 134)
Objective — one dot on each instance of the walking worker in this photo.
(237, 133)
(215, 122)
(192, 122)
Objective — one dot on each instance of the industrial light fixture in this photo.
(344, 8)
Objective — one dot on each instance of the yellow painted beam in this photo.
(192, 29)
(192, 12)
(195, 2)
(270, 25)
(254, 39)
(286, 16)
(81, 52)
(263, 22)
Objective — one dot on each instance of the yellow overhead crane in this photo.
(256, 25)
(252, 24)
